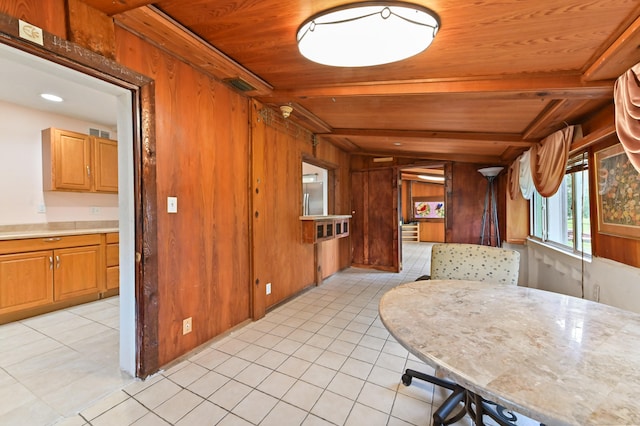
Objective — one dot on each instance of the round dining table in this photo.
(557, 359)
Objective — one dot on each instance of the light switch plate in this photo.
(172, 204)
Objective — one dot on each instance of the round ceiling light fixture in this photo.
(368, 33)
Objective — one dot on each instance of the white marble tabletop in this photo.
(558, 359)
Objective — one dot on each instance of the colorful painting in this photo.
(428, 210)
(618, 193)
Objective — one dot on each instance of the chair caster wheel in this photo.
(406, 379)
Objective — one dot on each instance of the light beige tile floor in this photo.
(54, 365)
(323, 358)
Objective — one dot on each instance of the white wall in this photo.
(21, 172)
(604, 280)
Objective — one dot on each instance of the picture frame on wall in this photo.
(618, 193)
(428, 208)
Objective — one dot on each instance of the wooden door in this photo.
(374, 229)
(76, 272)
(26, 280)
(105, 165)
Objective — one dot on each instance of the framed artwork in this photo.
(618, 187)
(428, 208)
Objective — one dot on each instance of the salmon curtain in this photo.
(513, 178)
(549, 161)
(627, 101)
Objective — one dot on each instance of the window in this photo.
(564, 219)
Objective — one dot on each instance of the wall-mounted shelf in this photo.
(316, 229)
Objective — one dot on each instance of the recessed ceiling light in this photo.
(397, 143)
(50, 97)
(432, 178)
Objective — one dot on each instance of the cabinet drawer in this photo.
(34, 244)
(112, 255)
(113, 277)
(26, 280)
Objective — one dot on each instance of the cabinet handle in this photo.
(49, 240)
(57, 262)
(88, 171)
(50, 262)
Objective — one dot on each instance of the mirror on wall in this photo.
(314, 190)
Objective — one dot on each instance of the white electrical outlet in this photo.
(187, 326)
(268, 288)
(172, 204)
(95, 210)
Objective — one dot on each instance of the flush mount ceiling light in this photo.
(367, 33)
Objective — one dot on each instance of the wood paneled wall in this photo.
(279, 255)
(48, 15)
(464, 210)
(202, 152)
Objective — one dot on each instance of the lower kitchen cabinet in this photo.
(26, 280)
(76, 272)
(39, 275)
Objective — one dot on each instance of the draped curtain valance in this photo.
(549, 161)
(542, 167)
(627, 102)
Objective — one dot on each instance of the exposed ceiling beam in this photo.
(521, 87)
(111, 7)
(506, 139)
(168, 35)
(621, 55)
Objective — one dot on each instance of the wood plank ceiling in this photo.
(499, 76)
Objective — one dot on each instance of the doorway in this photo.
(423, 203)
(90, 100)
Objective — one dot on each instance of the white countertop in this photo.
(45, 233)
(558, 359)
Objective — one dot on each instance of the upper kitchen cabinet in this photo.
(105, 164)
(74, 161)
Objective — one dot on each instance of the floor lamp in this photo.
(490, 213)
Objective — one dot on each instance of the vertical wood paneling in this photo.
(202, 151)
(48, 15)
(91, 28)
(279, 255)
(464, 212)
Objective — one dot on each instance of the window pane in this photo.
(537, 214)
(582, 206)
(559, 218)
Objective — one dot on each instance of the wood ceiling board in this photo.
(423, 112)
(494, 38)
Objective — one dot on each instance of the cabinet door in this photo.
(66, 159)
(106, 165)
(76, 272)
(26, 280)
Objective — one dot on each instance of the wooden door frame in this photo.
(78, 58)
